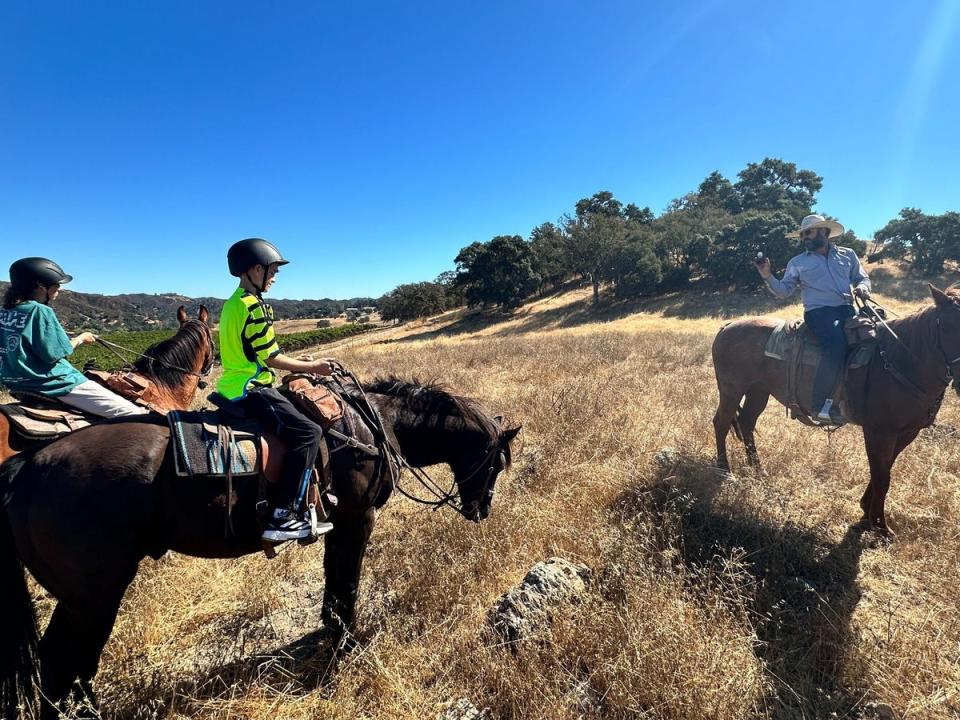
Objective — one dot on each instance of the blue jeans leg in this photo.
(826, 323)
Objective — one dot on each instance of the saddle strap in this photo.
(225, 434)
(353, 443)
(899, 376)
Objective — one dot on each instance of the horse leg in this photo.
(882, 452)
(724, 417)
(342, 561)
(753, 406)
(70, 648)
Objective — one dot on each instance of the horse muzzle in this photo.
(476, 511)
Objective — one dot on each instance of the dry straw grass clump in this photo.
(712, 596)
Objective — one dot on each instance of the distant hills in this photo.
(140, 311)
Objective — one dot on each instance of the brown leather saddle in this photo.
(796, 345)
(37, 417)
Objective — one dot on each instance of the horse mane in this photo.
(162, 360)
(434, 398)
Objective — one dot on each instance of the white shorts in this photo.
(95, 399)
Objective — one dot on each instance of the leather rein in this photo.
(441, 497)
(208, 362)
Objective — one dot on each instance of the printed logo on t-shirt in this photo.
(13, 344)
(13, 320)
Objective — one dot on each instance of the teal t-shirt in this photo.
(33, 348)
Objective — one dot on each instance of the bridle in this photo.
(451, 496)
(951, 364)
(441, 497)
(204, 371)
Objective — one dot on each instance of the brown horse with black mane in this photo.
(82, 512)
(894, 397)
(174, 366)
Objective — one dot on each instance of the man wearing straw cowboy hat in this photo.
(824, 274)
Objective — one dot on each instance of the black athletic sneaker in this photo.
(286, 525)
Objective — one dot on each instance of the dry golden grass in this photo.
(711, 597)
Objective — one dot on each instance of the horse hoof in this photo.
(879, 537)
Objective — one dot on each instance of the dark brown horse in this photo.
(82, 512)
(175, 366)
(892, 399)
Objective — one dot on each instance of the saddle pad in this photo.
(198, 445)
(782, 339)
(42, 423)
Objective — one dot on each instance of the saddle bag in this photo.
(126, 384)
(313, 398)
(859, 330)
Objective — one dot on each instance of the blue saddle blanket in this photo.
(204, 445)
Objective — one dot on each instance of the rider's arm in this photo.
(83, 338)
(285, 362)
(858, 276)
(259, 336)
(50, 342)
(784, 288)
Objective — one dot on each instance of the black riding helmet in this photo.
(27, 272)
(245, 254)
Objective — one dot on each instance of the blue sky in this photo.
(371, 141)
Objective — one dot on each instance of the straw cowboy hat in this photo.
(812, 222)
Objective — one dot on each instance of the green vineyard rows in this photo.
(137, 342)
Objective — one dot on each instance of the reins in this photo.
(890, 367)
(208, 366)
(441, 497)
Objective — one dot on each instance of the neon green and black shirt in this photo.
(247, 341)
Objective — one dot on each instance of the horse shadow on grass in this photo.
(297, 667)
(799, 594)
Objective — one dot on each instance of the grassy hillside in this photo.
(712, 596)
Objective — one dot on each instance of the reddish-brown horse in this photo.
(892, 399)
(174, 366)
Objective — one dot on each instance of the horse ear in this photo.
(181, 314)
(204, 314)
(940, 298)
(509, 435)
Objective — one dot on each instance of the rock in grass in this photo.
(525, 608)
(666, 458)
(462, 709)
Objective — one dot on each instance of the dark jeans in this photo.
(277, 415)
(826, 323)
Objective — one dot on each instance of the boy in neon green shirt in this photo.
(250, 354)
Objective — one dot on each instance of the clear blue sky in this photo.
(371, 141)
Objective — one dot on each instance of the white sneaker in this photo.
(285, 525)
(824, 413)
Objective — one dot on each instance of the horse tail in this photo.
(736, 422)
(18, 624)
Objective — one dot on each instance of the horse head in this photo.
(178, 365)
(432, 426)
(948, 330)
(477, 472)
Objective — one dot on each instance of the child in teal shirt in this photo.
(34, 346)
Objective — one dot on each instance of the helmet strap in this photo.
(258, 288)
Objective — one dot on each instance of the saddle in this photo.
(38, 417)
(797, 347)
(321, 399)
